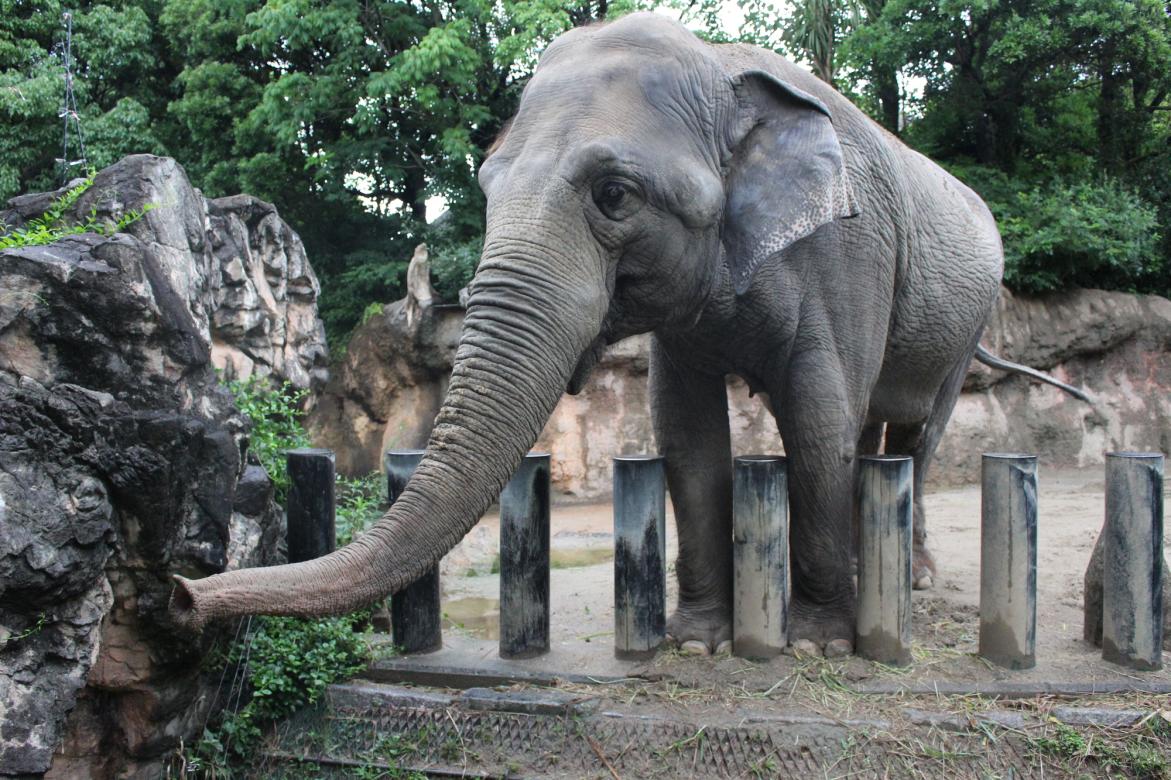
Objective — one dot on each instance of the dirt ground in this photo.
(946, 620)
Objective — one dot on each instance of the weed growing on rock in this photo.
(52, 225)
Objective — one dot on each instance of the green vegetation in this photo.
(283, 664)
(53, 225)
(360, 502)
(275, 414)
(350, 115)
(1141, 751)
(286, 664)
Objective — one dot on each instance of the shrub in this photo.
(1061, 233)
(359, 505)
(275, 414)
(287, 664)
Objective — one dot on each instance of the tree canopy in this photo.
(350, 115)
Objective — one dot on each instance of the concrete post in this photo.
(309, 509)
(1008, 560)
(524, 560)
(640, 555)
(886, 510)
(1132, 588)
(760, 556)
(415, 613)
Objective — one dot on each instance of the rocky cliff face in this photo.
(122, 459)
(1112, 344)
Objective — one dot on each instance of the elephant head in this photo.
(639, 180)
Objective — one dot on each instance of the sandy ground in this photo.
(946, 620)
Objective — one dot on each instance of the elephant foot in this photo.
(700, 631)
(922, 568)
(827, 627)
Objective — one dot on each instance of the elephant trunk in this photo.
(525, 330)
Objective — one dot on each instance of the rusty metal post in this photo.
(415, 613)
(760, 556)
(1132, 587)
(886, 511)
(524, 560)
(1008, 560)
(309, 509)
(640, 555)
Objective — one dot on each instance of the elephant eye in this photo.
(617, 199)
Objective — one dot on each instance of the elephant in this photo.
(754, 222)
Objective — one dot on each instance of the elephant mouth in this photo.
(585, 364)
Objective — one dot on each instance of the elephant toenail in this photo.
(724, 648)
(839, 648)
(924, 582)
(807, 648)
(695, 647)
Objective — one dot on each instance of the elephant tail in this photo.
(988, 359)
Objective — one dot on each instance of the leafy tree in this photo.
(351, 116)
(116, 78)
(1061, 104)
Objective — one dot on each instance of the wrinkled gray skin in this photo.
(758, 224)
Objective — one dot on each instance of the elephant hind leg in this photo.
(919, 440)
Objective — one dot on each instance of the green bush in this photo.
(288, 663)
(1062, 233)
(359, 504)
(275, 414)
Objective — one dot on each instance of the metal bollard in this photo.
(1008, 560)
(760, 556)
(886, 510)
(310, 505)
(524, 560)
(1132, 588)
(415, 614)
(640, 555)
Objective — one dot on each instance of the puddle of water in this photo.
(479, 616)
(579, 556)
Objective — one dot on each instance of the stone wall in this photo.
(122, 459)
(1114, 345)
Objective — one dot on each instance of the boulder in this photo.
(242, 271)
(123, 460)
(1114, 345)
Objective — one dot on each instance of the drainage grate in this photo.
(455, 741)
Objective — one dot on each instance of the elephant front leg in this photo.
(690, 414)
(821, 437)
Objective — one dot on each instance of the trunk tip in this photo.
(184, 605)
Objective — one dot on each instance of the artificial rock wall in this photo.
(122, 460)
(388, 389)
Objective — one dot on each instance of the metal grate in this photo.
(453, 741)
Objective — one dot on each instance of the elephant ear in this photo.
(786, 177)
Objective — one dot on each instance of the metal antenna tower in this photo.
(69, 115)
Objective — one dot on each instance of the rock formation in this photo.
(419, 293)
(122, 458)
(387, 389)
(1112, 344)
